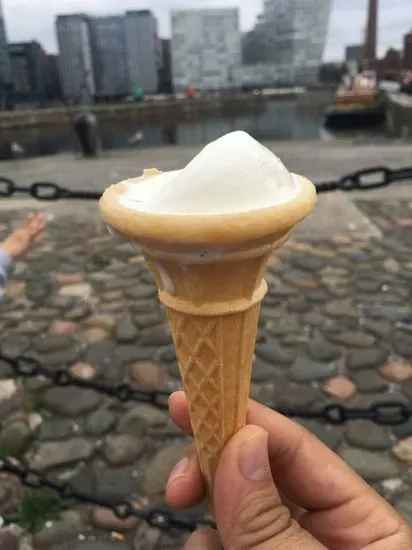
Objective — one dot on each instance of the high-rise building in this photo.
(206, 48)
(165, 75)
(295, 33)
(52, 82)
(108, 41)
(5, 67)
(407, 51)
(143, 50)
(28, 62)
(75, 58)
(369, 54)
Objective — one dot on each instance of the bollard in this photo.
(87, 133)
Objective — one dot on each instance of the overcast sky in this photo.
(34, 19)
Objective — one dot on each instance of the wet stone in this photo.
(307, 370)
(273, 353)
(297, 395)
(329, 435)
(380, 329)
(341, 308)
(63, 357)
(70, 401)
(77, 313)
(396, 371)
(61, 428)
(37, 290)
(299, 305)
(14, 344)
(144, 307)
(14, 434)
(55, 342)
(136, 421)
(281, 327)
(104, 356)
(100, 422)
(130, 353)
(262, 372)
(317, 296)
(402, 344)
(126, 330)
(407, 389)
(368, 285)
(32, 327)
(122, 450)
(369, 381)
(63, 327)
(299, 279)
(145, 320)
(314, 319)
(370, 465)
(404, 507)
(139, 291)
(8, 540)
(158, 471)
(309, 263)
(107, 520)
(352, 338)
(62, 453)
(403, 430)
(366, 358)
(339, 387)
(392, 313)
(155, 336)
(105, 322)
(368, 435)
(103, 481)
(148, 375)
(403, 450)
(322, 350)
(66, 528)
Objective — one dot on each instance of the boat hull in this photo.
(354, 116)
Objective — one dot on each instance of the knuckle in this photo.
(259, 518)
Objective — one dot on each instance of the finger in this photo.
(179, 412)
(185, 487)
(249, 511)
(204, 539)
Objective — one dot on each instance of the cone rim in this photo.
(231, 229)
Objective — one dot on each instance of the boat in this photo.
(357, 103)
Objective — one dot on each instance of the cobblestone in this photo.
(335, 325)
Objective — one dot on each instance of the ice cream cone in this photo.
(209, 272)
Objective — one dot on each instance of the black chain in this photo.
(366, 179)
(44, 190)
(162, 519)
(362, 180)
(386, 413)
(28, 367)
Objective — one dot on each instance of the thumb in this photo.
(249, 511)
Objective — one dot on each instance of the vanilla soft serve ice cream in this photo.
(232, 174)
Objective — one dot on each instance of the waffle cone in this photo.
(214, 331)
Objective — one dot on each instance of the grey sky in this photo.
(34, 19)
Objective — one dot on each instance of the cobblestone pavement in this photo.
(335, 326)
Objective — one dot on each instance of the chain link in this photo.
(386, 413)
(362, 180)
(162, 519)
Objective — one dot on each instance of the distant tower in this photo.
(369, 54)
